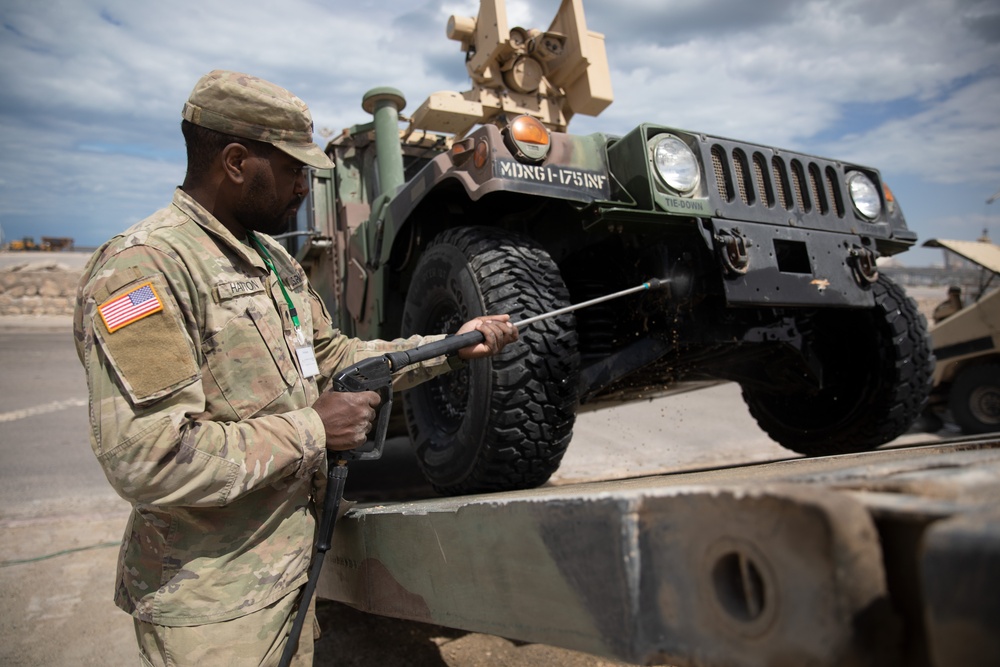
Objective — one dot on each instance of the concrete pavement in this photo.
(57, 566)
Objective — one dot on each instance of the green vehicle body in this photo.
(771, 269)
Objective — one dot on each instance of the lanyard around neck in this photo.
(266, 256)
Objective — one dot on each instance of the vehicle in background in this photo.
(966, 380)
(48, 244)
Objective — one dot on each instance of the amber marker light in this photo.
(482, 154)
(890, 199)
(888, 193)
(528, 138)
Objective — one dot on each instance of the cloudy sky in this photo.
(91, 90)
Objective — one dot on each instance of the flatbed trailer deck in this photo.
(890, 557)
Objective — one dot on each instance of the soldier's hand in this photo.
(498, 332)
(347, 417)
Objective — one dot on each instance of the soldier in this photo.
(207, 354)
(950, 306)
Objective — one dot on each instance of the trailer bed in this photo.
(881, 558)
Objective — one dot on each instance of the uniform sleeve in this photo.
(335, 351)
(151, 429)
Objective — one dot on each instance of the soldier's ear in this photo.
(234, 162)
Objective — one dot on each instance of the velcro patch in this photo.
(132, 306)
(152, 356)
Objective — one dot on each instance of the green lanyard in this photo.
(266, 256)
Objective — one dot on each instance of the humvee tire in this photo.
(504, 422)
(975, 399)
(877, 366)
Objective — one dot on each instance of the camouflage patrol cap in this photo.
(246, 106)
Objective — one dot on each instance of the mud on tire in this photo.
(877, 367)
(504, 422)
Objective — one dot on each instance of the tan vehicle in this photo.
(967, 346)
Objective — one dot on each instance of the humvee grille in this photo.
(791, 182)
(760, 178)
(721, 174)
(833, 187)
(781, 183)
(742, 182)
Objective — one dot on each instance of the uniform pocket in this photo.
(151, 355)
(249, 362)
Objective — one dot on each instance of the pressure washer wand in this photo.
(452, 344)
(653, 283)
(375, 374)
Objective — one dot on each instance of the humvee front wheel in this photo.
(877, 366)
(504, 422)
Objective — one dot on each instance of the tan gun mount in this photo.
(551, 75)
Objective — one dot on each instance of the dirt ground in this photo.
(76, 623)
(364, 640)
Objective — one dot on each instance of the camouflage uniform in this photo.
(255, 639)
(200, 413)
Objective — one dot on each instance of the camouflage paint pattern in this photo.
(798, 562)
(200, 415)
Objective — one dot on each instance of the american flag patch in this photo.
(129, 307)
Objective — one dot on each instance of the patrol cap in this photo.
(246, 106)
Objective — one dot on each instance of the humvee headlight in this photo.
(528, 139)
(864, 195)
(675, 163)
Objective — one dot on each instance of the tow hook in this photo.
(863, 265)
(733, 250)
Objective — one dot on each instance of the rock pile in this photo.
(49, 288)
(38, 289)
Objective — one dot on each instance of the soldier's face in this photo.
(274, 190)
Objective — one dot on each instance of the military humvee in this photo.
(482, 202)
(966, 380)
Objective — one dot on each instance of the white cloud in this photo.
(93, 90)
(953, 141)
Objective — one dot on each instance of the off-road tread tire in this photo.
(891, 365)
(960, 397)
(514, 431)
